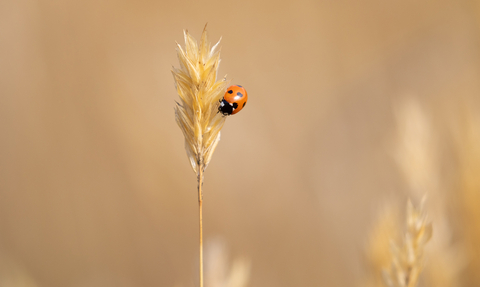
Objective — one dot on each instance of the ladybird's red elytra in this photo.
(233, 101)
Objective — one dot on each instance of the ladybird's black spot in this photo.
(235, 105)
(230, 91)
(239, 94)
(244, 104)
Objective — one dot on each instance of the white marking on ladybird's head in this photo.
(222, 104)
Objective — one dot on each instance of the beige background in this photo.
(95, 186)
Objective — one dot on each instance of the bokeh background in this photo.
(354, 106)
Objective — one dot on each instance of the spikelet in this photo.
(197, 112)
(407, 259)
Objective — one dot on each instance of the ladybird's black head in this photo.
(226, 108)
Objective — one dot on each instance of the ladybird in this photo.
(233, 101)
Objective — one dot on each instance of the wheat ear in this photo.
(197, 111)
(407, 259)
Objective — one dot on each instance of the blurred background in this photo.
(354, 107)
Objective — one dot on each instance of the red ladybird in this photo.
(233, 101)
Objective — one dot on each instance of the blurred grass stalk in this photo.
(219, 272)
(454, 252)
(197, 112)
(414, 151)
(467, 135)
(407, 259)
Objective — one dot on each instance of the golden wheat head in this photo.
(197, 111)
(407, 259)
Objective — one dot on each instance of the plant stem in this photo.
(200, 199)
